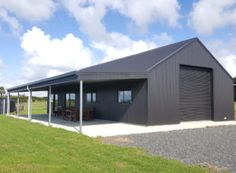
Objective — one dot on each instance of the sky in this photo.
(40, 39)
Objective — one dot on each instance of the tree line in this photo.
(23, 97)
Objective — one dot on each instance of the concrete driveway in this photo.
(104, 128)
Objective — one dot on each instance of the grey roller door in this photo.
(195, 93)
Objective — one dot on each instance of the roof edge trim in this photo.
(42, 80)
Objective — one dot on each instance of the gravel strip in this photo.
(214, 146)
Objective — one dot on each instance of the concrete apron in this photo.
(104, 128)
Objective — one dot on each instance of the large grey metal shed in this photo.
(178, 82)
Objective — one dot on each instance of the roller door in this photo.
(195, 93)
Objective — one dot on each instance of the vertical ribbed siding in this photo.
(163, 86)
(1, 106)
(235, 91)
(195, 93)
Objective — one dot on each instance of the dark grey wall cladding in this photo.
(163, 86)
(1, 106)
(107, 106)
(235, 93)
(235, 90)
(12, 106)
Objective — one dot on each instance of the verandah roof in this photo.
(74, 77)
(43, 84)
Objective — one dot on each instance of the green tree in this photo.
(2, 91)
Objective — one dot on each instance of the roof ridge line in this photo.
(171, 54)
(132, 55)
(112, 72)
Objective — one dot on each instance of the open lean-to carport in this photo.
(48, 84)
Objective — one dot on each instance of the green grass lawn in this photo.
(38, 107)
(28, 147)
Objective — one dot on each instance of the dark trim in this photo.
(43, 83)
(70, 99)
(212, 94)
(125, 102)
(192, 66)
(109, 76)
(91, 92)
(54, 99)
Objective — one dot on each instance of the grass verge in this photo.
(38, 107)
(28, 147)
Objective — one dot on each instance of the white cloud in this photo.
(1, 62)
(144, 13)
(46, 56)
(225, 53)
(6, 80)
(29, 10)
(89, 16)
(122, 46)
(53, 72)
(163, 38)
(208, 15)
(89, 13)
(8, 83)
(11, 21)
(229, 62)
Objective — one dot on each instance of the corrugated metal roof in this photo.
(60, 79)
(137, 63)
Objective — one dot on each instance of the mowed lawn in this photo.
(28, 147)
(38, 107)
